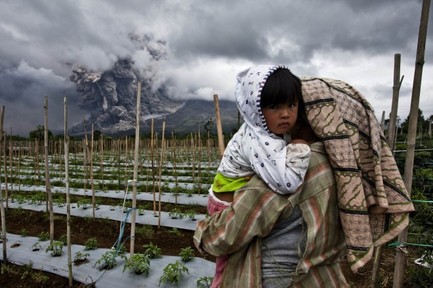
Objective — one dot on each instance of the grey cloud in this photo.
(55, 35)
(246, 30)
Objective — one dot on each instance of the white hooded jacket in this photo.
(256, 150)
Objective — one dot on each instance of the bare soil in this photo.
(31, 223)
(23, 222)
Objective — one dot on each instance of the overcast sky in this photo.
(206, 44)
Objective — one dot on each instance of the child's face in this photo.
(281, 118)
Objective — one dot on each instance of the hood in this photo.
(248, 89)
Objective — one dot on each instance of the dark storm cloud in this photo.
(206, 42)
(23, 92)
(252, 30)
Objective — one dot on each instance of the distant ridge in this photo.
(194, 114)
(110, 98)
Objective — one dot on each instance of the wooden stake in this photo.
(411, 135)
(394, 107)
(92, 141)
(430, 120)
(208, 154)
(101, 153)
(126, 152)
(19, 168)
(86, 159)
(161, 160)
(2, 209)
(6, 170)
(47, 173)
(135, 173)
(382, 121)
(176, 183)
(68, 204)
(152, 154)
(219, 125)
(193, 159)
(391, 141)
(199, 162)
(10, 161)
(92, 180)
(36, 160)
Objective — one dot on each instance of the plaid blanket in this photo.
(374, 204)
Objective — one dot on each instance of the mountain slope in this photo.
(195, 114)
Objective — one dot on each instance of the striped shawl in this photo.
(373, 202)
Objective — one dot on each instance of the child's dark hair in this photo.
(283, 87)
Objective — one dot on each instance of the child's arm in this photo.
(297, 161)
(284, 170)
(253, 213)
(298, 141)
(298, 156)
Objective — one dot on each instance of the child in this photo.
(269, 98)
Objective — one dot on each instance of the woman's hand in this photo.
(298, 141)
(303, 134)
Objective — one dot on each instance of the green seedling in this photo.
(91, 244)
(173, 273)
(186, 254)
(204, 282)
(152, 251)
(175, 213)
(80, 257)
(191, 214)
(108, 259)
(36, 246)
(56, 248)
(43, 236)
(138, 263)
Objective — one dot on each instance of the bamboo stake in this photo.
(176, 183)
(93, 187)
(10, 162)
(199, 162)
(47, 173)
(57, 154)
(36, 160)
(146, 166)
(382, 121)
(126, 153)
(119, 168)
(19, 167)
(429, 127)
(101, 158)
(161, 159)
(193, 150)
(208, 154)
(68, 204)
(2, 209)
(395, 97)
(92, 180)
(86, 158)
(219, 125)
(152, 156)
(85, 166)
(135, 173)
(411, 136)
(142, 155)
(391, 141)
(6, 171)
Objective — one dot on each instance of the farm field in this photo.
(100, 187)
(169, 243)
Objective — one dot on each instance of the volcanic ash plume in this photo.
(110, 97)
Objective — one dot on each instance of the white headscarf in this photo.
(256, 150)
